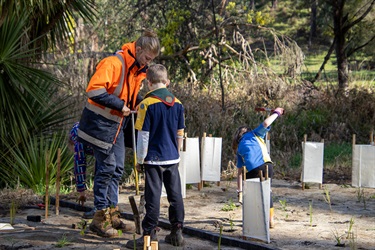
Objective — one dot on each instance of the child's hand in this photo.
(279, 111)
(82, 198)
(140, 168)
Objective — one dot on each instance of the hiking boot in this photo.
(101, 224)
(117, 223)
(138, 244)
(175, 238)
(89, 214)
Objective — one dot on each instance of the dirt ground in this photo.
(303, 220)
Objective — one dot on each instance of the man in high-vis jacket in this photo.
(112, 93)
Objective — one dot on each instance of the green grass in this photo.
(337, 154)
(334, 154)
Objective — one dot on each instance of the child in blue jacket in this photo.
(252, 154)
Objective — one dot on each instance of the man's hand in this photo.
(140, 168)
(125, 110)
(82, 198)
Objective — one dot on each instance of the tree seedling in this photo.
(327, 197)
(283, 204)
(310, 212)
(230, 206)
(338, 238)
(12, 212)
(283, 207)
(350, 229)
(219, 241)
(63, 241)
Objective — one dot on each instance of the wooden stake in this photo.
(47, 184)
(321, 184)
(57, 205)
(266, 172)
(200, 184)
(261, 175)
(154, 245)
(304, 141)
(146, 242)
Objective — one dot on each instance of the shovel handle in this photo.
(264, 109)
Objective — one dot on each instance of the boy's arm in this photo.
(270, 119)
(142, 145)
(180, 137)
(239, 184)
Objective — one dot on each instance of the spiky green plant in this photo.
(350, 228)
(63, 241)
(230, 206)
(338, 237)
(13, 211)
(220, 234)
(327, 197)
(27, 161)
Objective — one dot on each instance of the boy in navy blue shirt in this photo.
(160, 124)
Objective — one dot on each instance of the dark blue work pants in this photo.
(156, 175)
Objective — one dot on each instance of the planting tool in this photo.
(262, 196)
(264, 109)
(137, 213)
(135, 154)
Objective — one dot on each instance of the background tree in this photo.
(351, 20)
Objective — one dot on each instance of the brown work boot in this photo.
(175, 237)
(101, 224)
(117, 223)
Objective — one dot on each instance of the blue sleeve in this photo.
(181, 119)
(261, 131)
(240, 162)
(110, 101)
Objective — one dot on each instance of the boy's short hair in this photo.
(157, 73)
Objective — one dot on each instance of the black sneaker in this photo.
(175, 238)
(135, 244)
(89, 214)
(138, 244)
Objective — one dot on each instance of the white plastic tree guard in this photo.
(256, 209)
(182, 172)
(268, 143)
(312, 163)
(211, 158)
(189, 167)
(193, 169)
(363, 166)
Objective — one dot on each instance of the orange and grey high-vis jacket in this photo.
(111, 86)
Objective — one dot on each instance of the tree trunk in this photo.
(342, 60)
(313, 21)
(274, 4)
(252, 4)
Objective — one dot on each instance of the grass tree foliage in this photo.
(33, 106)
